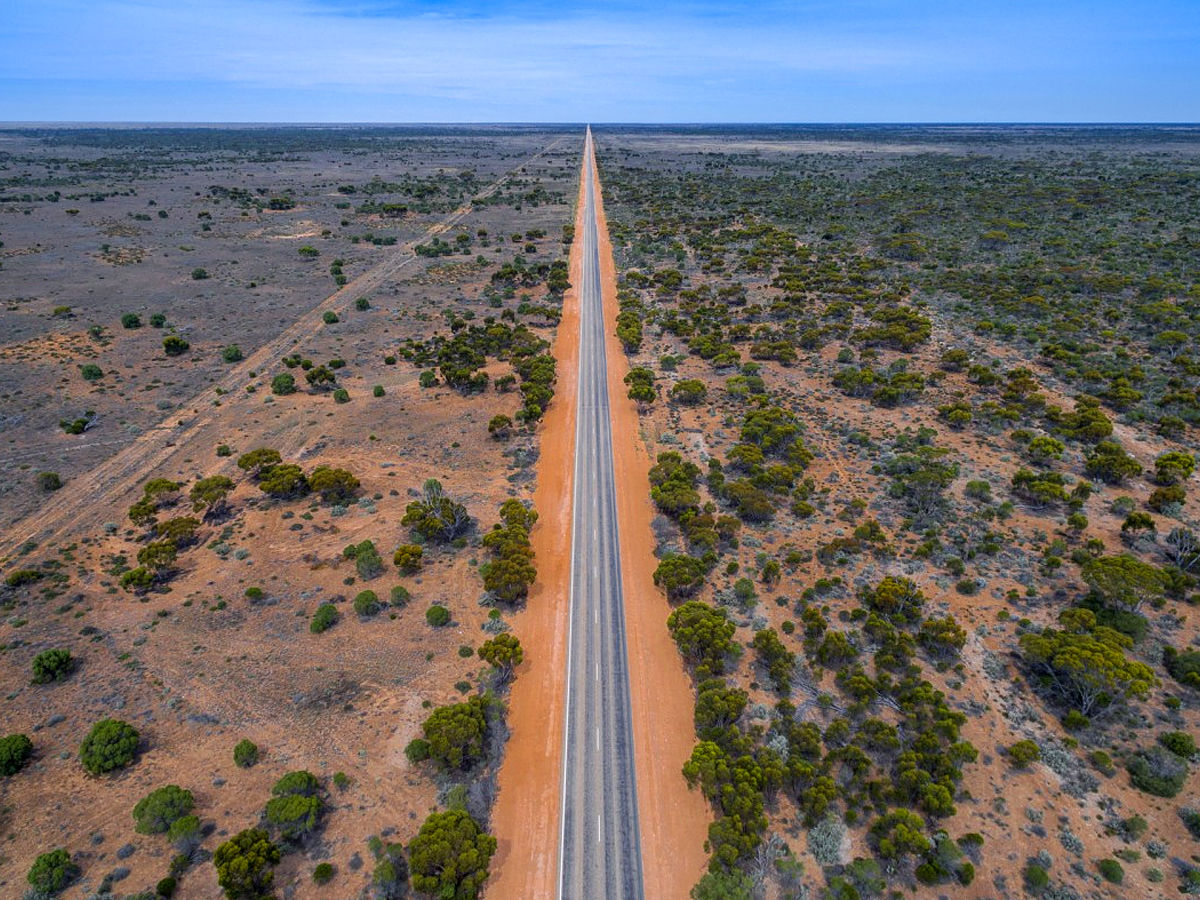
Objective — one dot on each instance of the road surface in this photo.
(600, 848)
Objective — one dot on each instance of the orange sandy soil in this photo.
(525, 817)
(673, 820)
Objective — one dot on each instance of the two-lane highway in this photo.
(599, 844)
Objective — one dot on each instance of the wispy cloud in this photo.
(478, 57)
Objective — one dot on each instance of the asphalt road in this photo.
(600, 848)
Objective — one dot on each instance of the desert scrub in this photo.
(245, 753)
(437, 616)
(52, 665)
(51, 872)
(324, 618)
(1023, 754)
(111, 744)
(15, 751)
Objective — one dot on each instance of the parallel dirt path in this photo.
(525, 818)
(673, 820)
(121, 474)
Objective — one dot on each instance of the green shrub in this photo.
(449, 857)
(53, 871)
(52, 665)
(174, 345)
(15, 751)
(418, 750)
(232, 353)
(245, 753)
(1180, 743)
(91, 372)
(437, 616)
(166, 887)
(329, 317)
(1157, 771)
(367, 561)
(399, 596)
(1111, 871)
(245, 865)
(283, 384)
(366, 603)
(341, 395)
(323, 873)
(324, 618)
(111, 744)
(198, 274)
(295, 806)
(158, 810)
(1035, 877)
(131, 320)
(407, 558)
(48, 481)
(1022, 754)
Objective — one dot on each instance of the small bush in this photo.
(232, 354)
(245, 753)
(15, 751)
(1036, 877)
(407, 558)
(91, 372)
(341, 395)
(418, 750)
(199, 274)
(323, 873)
(53, 871)
(111, 744)
(1022, 754)
(131, 320)
(324, 618)
(1157, 772)
(366, 603)
(437, 616)
(48, 481)
(166, 887)
(284, 384)
(174, 345)
(159, 810)
(329, 317)
(1111, 871)
(1180, 743)
(399, 596)
(52, 665)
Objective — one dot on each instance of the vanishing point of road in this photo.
(599, 844)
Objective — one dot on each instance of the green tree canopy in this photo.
(246, 865)
(449, 857)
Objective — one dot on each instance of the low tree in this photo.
(407, 558)
(689, 391)
(285, 481)
(245, 753)
(456, 733)
(295, 806)
(1085, 664)
(436, 517)
(503, 653)
(246, 865)
(1174, 467)
(449, 857)
(15, 752)
(111, 744)
(159, 810)
(52, 665)
(704, 635)
(258, 461)
(52, 872)
(680, 575)
(1124, 581)
(210, 494)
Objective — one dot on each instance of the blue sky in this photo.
(618, 61)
